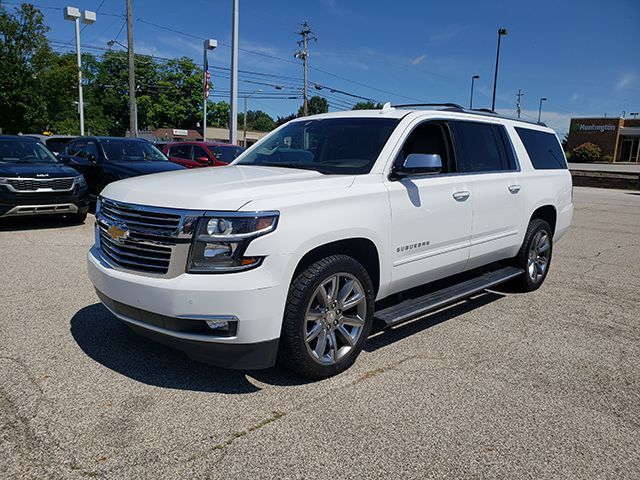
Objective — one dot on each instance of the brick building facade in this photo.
(618, 138)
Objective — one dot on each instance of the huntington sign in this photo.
(584, 127)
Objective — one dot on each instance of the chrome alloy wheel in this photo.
(538, 259)
(335, 318)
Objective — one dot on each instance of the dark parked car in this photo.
(103, 160)
(33, 182)
(202, 154)
(55, 143)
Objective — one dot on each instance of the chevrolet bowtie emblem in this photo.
(117, 233)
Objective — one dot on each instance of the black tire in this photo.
(76, 218)
(293, 352)
(527, 282)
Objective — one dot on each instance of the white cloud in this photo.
(627, 80)
(419, 60)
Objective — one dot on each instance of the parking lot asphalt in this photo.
(540, 385)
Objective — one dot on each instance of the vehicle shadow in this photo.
(15, 224)
(109, 342)
(381, 337)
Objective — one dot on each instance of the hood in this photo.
(221, 188)
(144, 168)
(36, 170)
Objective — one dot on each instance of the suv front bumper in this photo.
(166, 309)
(37, 203)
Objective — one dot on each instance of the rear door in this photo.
(485, 157)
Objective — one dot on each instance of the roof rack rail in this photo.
(449, 105)
(474, 111)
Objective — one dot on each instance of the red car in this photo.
(201, 154)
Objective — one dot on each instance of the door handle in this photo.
(461, 196)
(514, 188)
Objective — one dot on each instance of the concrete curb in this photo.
(601, 179)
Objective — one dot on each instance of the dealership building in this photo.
(618, 138)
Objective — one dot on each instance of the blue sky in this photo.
(581, 55)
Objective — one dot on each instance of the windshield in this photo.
(330, 146)
(24, 151)
(226, 154)
(123, 150)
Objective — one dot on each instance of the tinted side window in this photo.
(199, 152)
(479, 148)
(75, 148)
(429, 138)
(91, 151)
(181, 151)
(543, 148)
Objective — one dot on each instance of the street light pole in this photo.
(244, 141)
(88, 17)
(473, 79)
(233, 121)
(501, 32)
(209, 44)
(543, 99)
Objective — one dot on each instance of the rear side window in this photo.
(543, 149)
(480, 148)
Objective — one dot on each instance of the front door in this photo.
(431, 215)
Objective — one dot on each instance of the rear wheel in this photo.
(328, 317)
(534, 256)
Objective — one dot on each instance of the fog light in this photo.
(218, 324)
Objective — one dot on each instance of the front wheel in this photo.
(328, 317)
(534, 256)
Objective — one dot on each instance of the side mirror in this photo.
(203, 160)
(419, 164)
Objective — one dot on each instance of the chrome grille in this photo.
(134, 255)
(142, 219)
(143, 238)
(35, 184)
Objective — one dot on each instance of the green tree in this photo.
(257, 121)
(315, 105)
(283, 120)
(218, 114)
(368, 105)
(24, 57)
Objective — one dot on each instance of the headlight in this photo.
(221, 241)
(4, 181)
(79, 181)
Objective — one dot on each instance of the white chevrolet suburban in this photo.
(284, 255)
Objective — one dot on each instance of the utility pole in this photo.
(303, 54)
(133, 120)
(233, 111)
(519, 95)
(473, 79)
